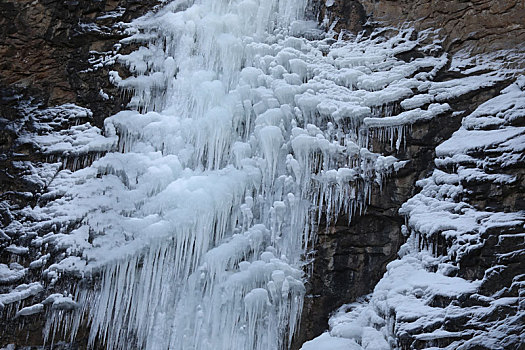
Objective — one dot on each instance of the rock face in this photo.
(56, 52)
(478, 26)
(48, 49)
(341, 15)
(458, 281)
(53, 53)
(351, 259)
(348, 265)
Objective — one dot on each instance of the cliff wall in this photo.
(48, 51)
(352, 259)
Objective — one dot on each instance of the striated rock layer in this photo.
(487, 35)
(478, 26)
(57, 50)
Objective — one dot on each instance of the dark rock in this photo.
(349, 260)
(46, 50)
(342, 14)
(46, 46)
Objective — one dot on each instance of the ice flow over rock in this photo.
(242, 136)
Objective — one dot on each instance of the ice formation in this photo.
(248, 128)
(201, 201)
(420, 299)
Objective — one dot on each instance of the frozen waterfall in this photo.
(245, 132)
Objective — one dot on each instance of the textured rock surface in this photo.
(458, 283)
(477, 26)
(348, 253)
(341, 15)
(48, 49)
(351, 259)
(53, 53)
(480, 26)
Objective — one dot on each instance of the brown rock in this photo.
(479, 26)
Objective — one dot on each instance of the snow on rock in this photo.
(30, 310)
(11, 274)
(197, 205)
(78, 139)
(21, 292)
(438, 295)
(493, 124)
(62, 303)
(409, 117)
(325, 341)
(16, 250)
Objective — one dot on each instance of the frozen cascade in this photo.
(242, 137)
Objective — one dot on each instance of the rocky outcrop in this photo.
(351, 259)
(53, 53)
(458, 281)
(478, 26)
(341, 15)
(339, 274)
(59, 51)
(478, 241)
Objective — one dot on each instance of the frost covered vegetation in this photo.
(247, 129)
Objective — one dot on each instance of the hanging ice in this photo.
(190, 233)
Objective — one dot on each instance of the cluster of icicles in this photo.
(196, 228)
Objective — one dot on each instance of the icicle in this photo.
(241, 142)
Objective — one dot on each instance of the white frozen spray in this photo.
(244, 133)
